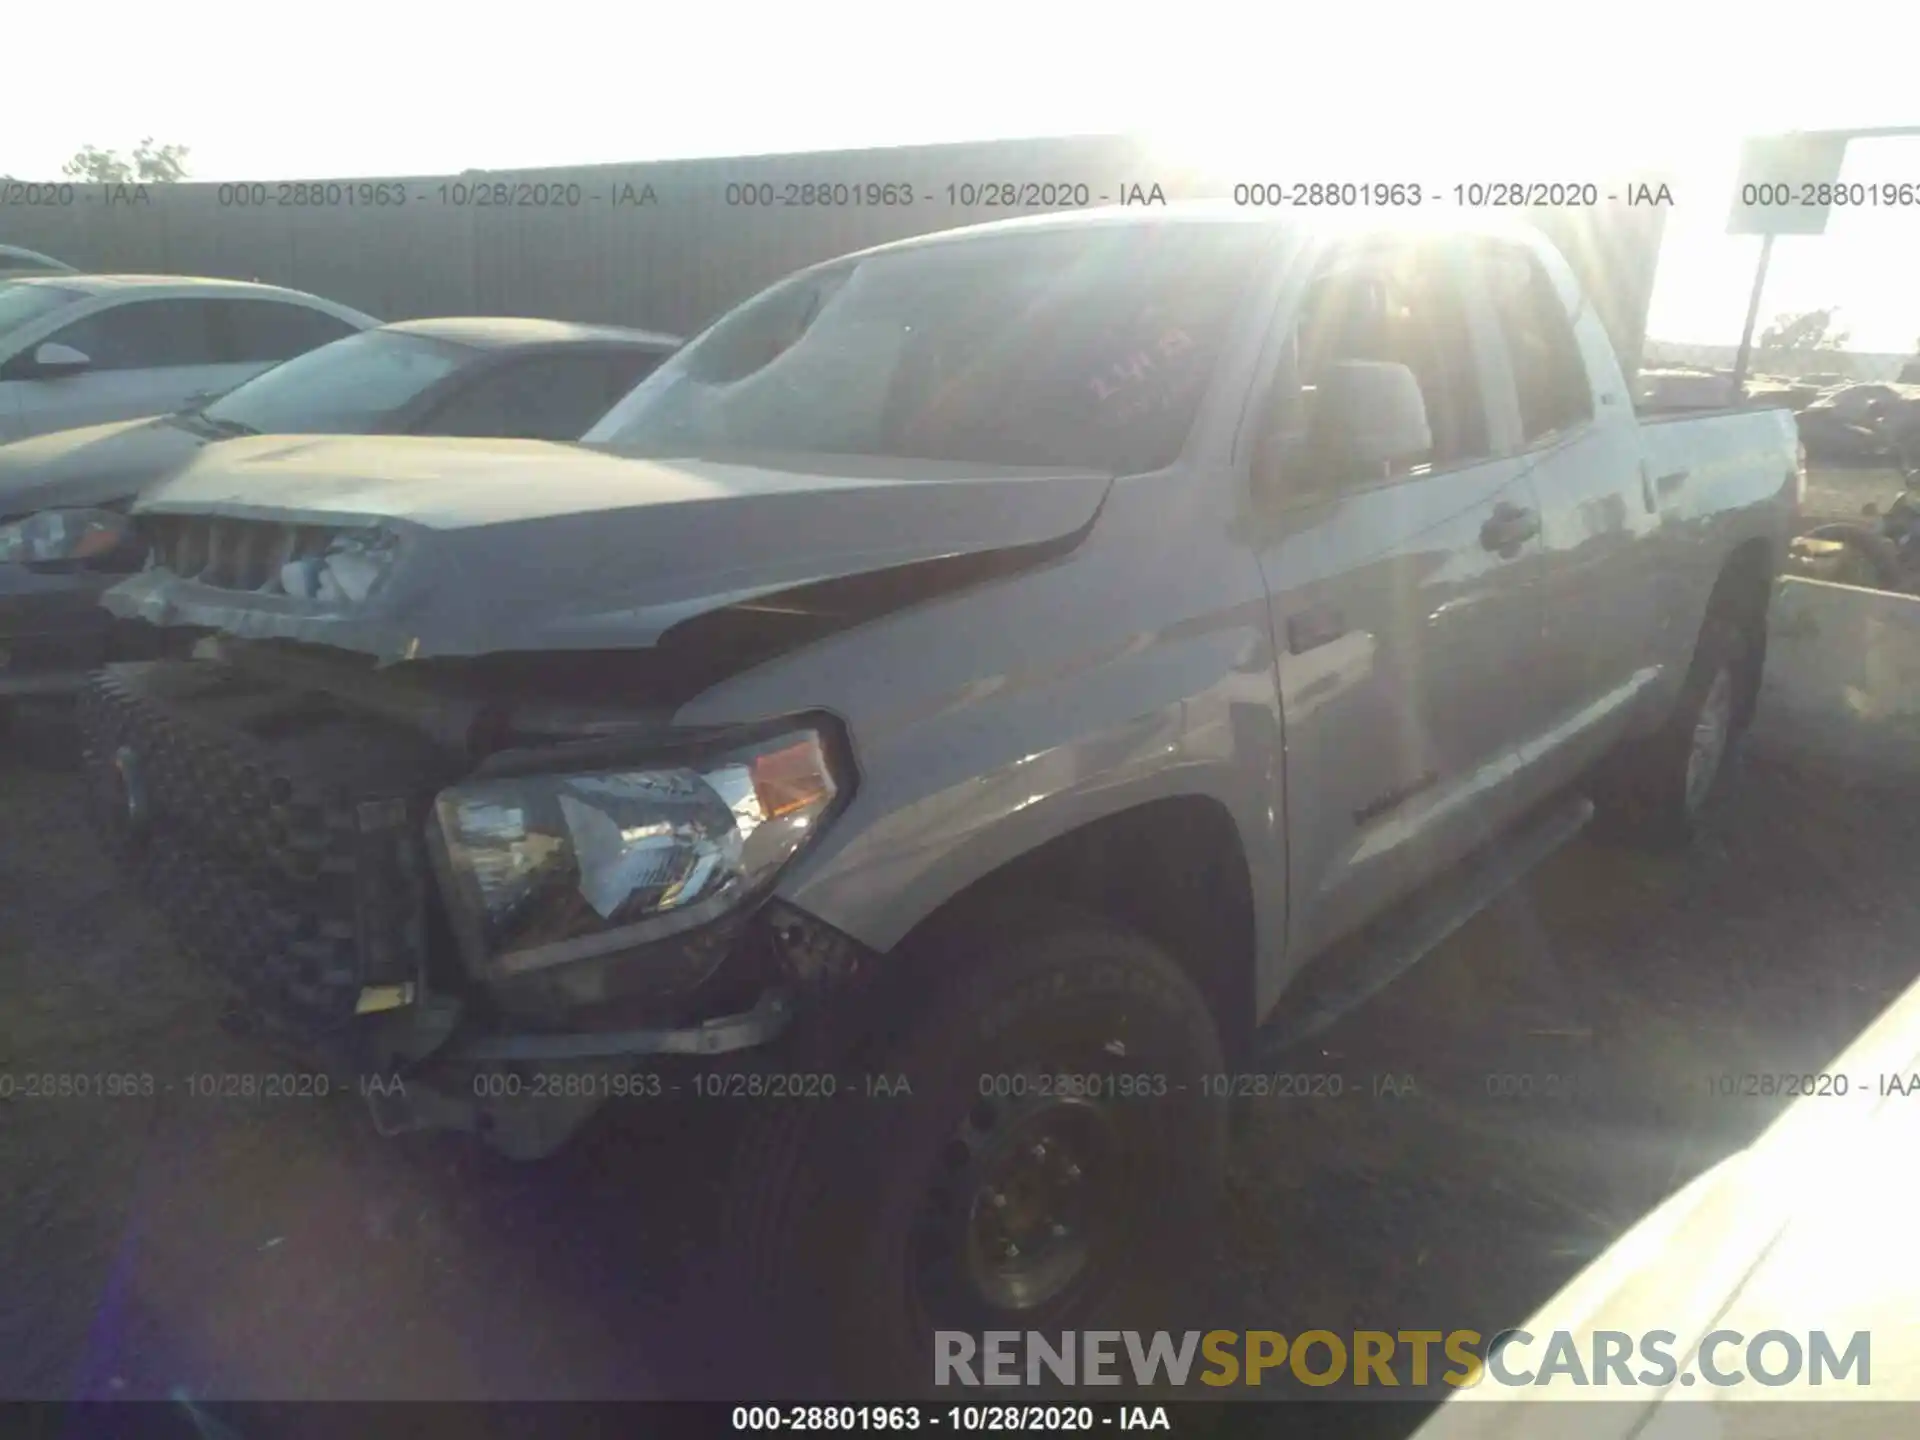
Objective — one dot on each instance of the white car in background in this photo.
(86, 349)
(17, 260)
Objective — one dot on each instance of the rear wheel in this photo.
(1656, 791)
(1056, 1158)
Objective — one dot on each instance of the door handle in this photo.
(1508, 528)
(1671, 481)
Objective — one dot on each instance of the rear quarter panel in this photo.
(1720, 481)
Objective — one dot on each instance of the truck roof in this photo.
(1225, 212)
(1612, 250)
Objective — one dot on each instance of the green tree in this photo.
(151, 165)
(1809, 330)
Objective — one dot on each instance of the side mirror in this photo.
(1366, 417)
(53, 360)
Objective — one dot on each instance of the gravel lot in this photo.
(1839, 492)
(279, 1250)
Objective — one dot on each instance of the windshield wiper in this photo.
(208, 425)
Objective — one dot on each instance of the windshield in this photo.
(343, 388)
(1085, 348)
(22, 303)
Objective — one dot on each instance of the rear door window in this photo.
(144, 335)
(268, 331)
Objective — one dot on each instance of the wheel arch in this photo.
(1743, 593)
(1175, 868)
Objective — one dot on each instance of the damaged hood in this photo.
(410, 548)
(94, 465)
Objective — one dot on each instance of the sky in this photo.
(1478, 90)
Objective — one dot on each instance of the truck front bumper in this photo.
(525, 1095)
(291, 858)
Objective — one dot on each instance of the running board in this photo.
(1356, 969)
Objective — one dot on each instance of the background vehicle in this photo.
(1668, 390)
(494, 376)
(1859, 424)
(17, 261)
(1866, 401)
(82, 349)
(1834, 437)
(1884, 555)
(1047, 663)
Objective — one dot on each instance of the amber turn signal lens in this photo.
(791, 778)
(96, 542)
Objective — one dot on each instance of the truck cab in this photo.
(1041, 665)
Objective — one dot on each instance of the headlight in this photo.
(554, 868)
(64, 535)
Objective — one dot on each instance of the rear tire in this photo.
(1657, 791)
(995, 1196)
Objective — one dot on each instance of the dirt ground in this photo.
(1838, 492)
(166, 1244)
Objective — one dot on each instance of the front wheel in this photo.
(1057, 1155)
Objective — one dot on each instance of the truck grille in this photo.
(234, 554)
(280, 838)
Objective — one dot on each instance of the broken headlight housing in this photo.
(64, 535)
(544, 870)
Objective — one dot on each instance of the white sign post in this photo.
(1777, 174)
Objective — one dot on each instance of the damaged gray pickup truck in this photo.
(972, 699)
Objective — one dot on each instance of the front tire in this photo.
(1057, 1158)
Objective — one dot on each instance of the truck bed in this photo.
(1704, 460)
